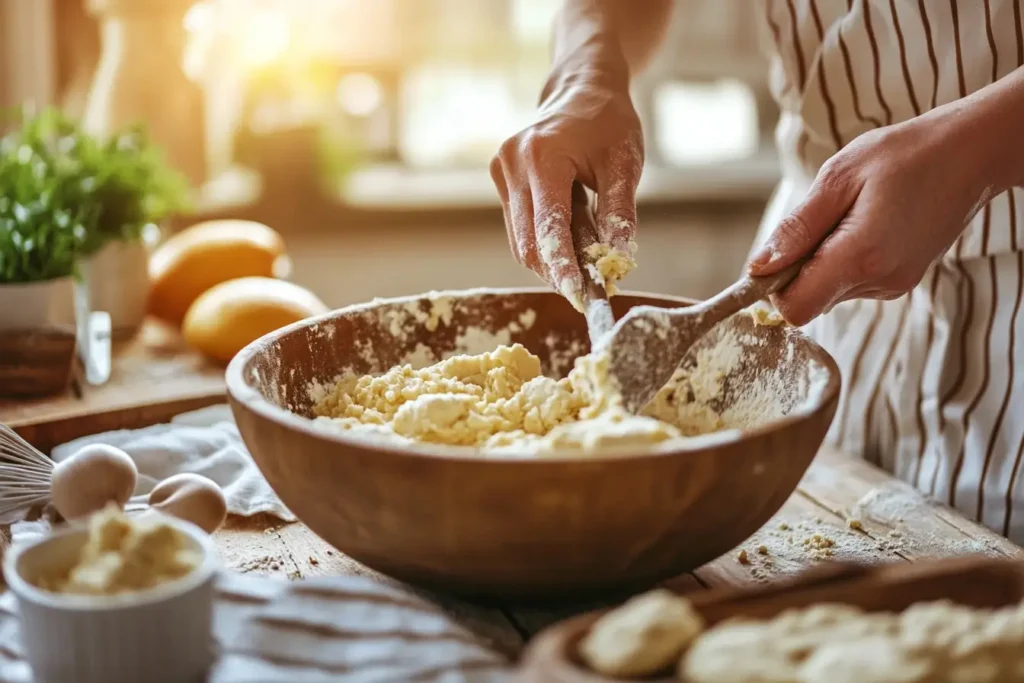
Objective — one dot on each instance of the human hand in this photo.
(879, 213)
(586, 130)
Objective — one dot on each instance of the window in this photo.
(396, 101)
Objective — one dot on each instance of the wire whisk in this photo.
(25, 473)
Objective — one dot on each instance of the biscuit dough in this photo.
(122, 554)
(496, 401)
(763, 314)
(642, 637)
(934, 642)
(610, 265)
(500, 402)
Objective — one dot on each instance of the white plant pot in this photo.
(117, 280)
(37, 304)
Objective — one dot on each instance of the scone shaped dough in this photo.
(644, 636)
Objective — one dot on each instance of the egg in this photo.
(193, 498)
(92, 477)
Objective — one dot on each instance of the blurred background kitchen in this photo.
(362, 131)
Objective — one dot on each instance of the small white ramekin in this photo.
(160, 635)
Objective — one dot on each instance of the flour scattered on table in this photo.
(784, 549)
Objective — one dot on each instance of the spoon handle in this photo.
(598, 310)
(758, 288)
(746, 291)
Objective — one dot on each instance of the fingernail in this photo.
(572, 293)
(763, 257)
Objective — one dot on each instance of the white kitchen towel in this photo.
(205, 442)
(323, 630)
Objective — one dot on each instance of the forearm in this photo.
(606, 40)
(992, 137)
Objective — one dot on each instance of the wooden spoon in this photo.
(598, 310)
(649, 343)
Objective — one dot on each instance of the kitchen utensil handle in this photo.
(766, 285)
(746, 291)
(598, 310)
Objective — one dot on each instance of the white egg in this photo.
(193, 498)
(91, 478)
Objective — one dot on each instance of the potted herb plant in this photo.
(133, 189)
(43, 229)
(81, 206)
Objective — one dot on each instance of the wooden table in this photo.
(893, 523)
(154, 378)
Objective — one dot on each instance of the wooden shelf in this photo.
(153, 378)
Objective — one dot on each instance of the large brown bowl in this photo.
(511, 526)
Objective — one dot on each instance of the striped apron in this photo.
(933, 381)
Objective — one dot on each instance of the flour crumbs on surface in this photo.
(784, 549)
(898, 506)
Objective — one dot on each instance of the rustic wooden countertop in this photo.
(153, 378)
(844, 509)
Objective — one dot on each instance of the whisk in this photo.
(80, 485)
(25, 473)
(91, 478)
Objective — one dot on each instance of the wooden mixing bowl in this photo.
(508, 526)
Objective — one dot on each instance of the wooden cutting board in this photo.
(980, 582)
(153, 377)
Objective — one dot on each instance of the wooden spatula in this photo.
(600, 319)
(648, 343)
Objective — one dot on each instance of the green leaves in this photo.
(64, 194)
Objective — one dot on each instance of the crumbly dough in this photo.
(610, 265)
(123, 554)
(935, 642)
(773, 651)
(764, 314)
(497, 401)
(642, 637)
(500, 402)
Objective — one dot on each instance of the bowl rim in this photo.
(23, 589)
(243, 394)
